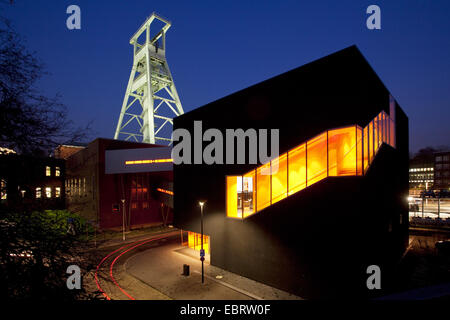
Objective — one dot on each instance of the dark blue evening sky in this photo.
(215, 48)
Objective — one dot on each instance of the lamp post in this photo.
(123, 219)
(202, 252)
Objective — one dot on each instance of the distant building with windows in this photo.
(109, 179)
(32, 182)
(429, 171)
(442, 170)
(421, 176)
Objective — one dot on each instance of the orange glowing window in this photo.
(380, 131)
(195, 241)
(359, 152)
(279, 178)
(263, 187)
(148, 161)
(297, 168)
(388, 130)
(366, 147)
(232, 197)
(370, 141)
(342, 151)
(339, 152)
(375, 135)
(316, 162)
(248, 194)
(165, 191)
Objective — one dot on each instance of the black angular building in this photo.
(337, 203)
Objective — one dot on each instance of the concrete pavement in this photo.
(161, 268)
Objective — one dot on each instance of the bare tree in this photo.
(30, 122)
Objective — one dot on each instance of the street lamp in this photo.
(123, 219)
(202, 252)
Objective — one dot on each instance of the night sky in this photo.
(215, 48)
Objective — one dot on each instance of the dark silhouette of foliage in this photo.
(30, 122)
(35, 251)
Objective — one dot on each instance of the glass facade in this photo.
(316, 159)
(297, 169)
(279, 178)
(195, 241)
(346, 151)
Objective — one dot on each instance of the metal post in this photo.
(123, 219)
(201, 230)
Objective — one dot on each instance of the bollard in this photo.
(185, 269)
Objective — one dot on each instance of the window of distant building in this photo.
(48, 171)
(57, 192)
(48, 192)
(57, 171)
(38, 193)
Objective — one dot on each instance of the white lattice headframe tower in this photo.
(151, 100)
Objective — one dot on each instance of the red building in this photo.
(111, 178)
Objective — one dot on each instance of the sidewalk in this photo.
(161, 269)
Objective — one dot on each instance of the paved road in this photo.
(150, 269)
(110, 279)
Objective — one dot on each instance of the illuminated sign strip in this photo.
(165, 191)
(148, 161)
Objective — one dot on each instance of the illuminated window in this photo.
(139, 189)
(279, 178)
(48, 192)
(263, 187)
(359, 152)
(316, 162)
(145, 205)
(375, 136)
(232, 203)
(195, 241)
(48, 171)
(380, 131)
(341, 152)
(38, 193)
(134, 205)
(57, 192)
(366, 148)
(297, 168)
(249, 193)
(370, 141)
(57, 171)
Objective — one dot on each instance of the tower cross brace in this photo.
(151, 100)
